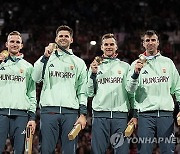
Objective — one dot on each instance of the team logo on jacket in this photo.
(71, 67)
(99, 73)
(2, 68)
(145, 72)
(119, 71)
(164, 70)
(21, 70)
(51, 65)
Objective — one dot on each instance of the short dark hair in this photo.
(107, 36)
(66, 28)
(149, 33)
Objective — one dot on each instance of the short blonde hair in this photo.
(14, 33)
(107, 36)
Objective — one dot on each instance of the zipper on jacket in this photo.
(60, 110)
(9, 113)
(158, 113)
(111, 114)
(111, 92)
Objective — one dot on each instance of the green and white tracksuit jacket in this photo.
(17, 89)
(64, 77)
(157, 82)
(107, 87)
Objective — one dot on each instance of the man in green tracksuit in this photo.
(111, 102)
(63, 101)
(154, 79)
(17, 93)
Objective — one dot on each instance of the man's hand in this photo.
(133, 120)
(138, 66)
(2, 57)
(81, 120)
(178, 115)
(94, 66)
(49, 49)
(178, 119)
(32, 123)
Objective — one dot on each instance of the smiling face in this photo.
(64, 39)
(14, 44)
(109, 47)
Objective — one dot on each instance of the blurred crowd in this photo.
(90, 19)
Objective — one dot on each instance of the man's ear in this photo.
(158, 42)
(143, 44)
(116, 47)
(21, 46)
(56, 39)
(6, 45)
(101, 47)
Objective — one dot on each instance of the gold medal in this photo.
(142, 58)
(99, 59)
(5, 53)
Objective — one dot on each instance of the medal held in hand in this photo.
(142, 58)
(5, 53)
(99, 59)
